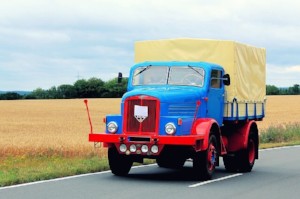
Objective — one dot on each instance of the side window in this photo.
(215, 81)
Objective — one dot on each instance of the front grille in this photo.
(149, 125)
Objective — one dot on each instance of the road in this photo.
(275, 175)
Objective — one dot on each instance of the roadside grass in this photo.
(17, 169)
(280, 135)
(29, 168)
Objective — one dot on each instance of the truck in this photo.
(189, 99)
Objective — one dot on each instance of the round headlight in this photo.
(123, 148)
(144, 148)
(154, 149)
(112, 127)
(170, 128)
(132, 148)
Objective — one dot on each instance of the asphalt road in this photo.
(275, 175)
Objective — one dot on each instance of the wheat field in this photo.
(45, 126)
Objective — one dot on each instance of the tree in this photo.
(66, 91)
(113, 89)
(295, 89)
(81, 87)
(10, 96)
(95, 87)
(272, 90)
(51, 93)
(89, 89)
(39, 93)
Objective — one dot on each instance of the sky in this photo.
(45, 43)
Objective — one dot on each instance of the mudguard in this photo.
(239, 139)
(202, 127)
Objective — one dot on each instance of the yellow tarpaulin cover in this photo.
(245, 64)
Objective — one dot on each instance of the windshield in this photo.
(162, 75)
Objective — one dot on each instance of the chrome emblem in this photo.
(140, 113)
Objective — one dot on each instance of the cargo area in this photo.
(246, 65)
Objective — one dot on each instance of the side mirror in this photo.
(120, 76)
(226, 79)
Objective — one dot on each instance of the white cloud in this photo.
(283, 76)
(295, 69)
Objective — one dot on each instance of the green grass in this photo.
(285, 134)
(16, 170)
(34, 167)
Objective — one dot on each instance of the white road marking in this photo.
(52, 180)
(215, 180)
(279, 148)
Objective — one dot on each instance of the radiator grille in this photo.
(149, 125)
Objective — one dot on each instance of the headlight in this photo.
(132, 148)
(123, 148)
(154, 149)
(144, 149)
(170, 128)
(112, 127)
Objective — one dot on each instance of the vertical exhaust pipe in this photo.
(88, 112)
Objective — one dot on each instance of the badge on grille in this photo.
(140, 112)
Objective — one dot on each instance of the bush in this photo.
(281, 133)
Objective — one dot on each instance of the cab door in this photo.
(215, 103)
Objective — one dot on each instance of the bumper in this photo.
(190, 140)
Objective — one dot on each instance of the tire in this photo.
(204, 163)
(120, 165)
(244, 159)
(247, 156)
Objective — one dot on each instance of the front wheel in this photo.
(204, 163)
(119, 164)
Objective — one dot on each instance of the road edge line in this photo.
(215, 180)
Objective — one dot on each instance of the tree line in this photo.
(273, 90)
(91, 88)
(96, 88)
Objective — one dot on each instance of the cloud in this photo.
(283, 76)
(293, 69)
(96, 37)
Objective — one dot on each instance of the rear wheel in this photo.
(119, 164)
(204, 163)
(247, 156)
(244, 159)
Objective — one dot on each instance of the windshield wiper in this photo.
(195, 70)
(143, 70)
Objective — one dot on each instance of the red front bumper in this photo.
(188, 140)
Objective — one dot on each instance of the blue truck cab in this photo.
(179, 86)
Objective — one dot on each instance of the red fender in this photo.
(202, 127)
(239, 138)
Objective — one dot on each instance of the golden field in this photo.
(281, 110)
(45, 126)
(51, 126)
